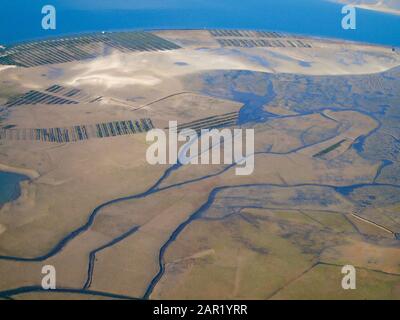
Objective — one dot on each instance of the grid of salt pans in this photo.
(78, 132)
(252, 39)
(75, 48)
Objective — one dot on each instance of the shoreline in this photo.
(369, 7)
(30, 173)
(297, 34)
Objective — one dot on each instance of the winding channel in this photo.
(250, 112)
(197, 214)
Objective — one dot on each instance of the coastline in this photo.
(326, 12)
(333, 39)
(30, 173)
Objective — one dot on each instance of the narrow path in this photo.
(355, 215)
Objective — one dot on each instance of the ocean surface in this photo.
(21, 19)
(9, 186)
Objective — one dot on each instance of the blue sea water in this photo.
(9, 186)
(21, 19)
